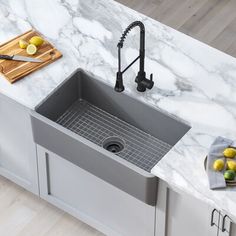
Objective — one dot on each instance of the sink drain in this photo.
(113, 144)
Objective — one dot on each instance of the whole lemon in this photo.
(230, 152)
(36, 40)
(231, 165)
(218, 165)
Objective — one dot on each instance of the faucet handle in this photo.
(150, 82)
(151, 77)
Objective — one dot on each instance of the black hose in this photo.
(127, 30)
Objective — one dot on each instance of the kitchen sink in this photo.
(111, 135)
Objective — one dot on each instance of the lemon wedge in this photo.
(31, 49)
(36, 40)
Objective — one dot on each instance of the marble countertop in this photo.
(193, 81)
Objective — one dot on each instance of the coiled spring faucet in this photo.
(142, 82)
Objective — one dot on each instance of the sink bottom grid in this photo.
(96, 125)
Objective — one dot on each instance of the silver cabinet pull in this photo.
(212, 217)
(223, 223)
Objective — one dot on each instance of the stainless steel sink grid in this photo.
(81, 117)
(94, 124)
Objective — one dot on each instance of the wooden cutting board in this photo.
(15, 70)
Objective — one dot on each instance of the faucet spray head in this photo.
(119, 87)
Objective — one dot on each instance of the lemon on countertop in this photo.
(230, 152)
(31, 49)
(23, 44)
(218, 165)
(36, 40)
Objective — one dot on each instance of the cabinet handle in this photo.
(47, 173)
(223, 223)
(212, 217)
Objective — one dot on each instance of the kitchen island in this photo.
(193, 82)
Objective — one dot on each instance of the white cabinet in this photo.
(91, 199)
(226, 226)
(184, 215)
(180, 214)
(233, 229)
(18, 161)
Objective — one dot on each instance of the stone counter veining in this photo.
(193, 81)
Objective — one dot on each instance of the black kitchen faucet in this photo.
(141, 80)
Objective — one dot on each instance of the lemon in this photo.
(230, 152)
(229, 175)
(37, 41)
(31, 49)
(231, 165)
(23, 44)
(218, 165)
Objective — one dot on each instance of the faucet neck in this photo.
(141, 46)
(141, 80)
(142, 50)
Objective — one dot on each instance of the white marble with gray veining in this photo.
(192, 80)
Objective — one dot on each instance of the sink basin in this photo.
(111, 135)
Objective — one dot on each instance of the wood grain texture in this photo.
(15, 70)
(210, 21)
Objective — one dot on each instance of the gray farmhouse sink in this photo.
(111, 135)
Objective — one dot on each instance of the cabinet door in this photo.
(17, 150)
(226, 226)
(91, 199)
(184, 215)
(233, 229)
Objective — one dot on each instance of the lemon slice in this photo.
(23, 44)
(31, 49)
(36, 40)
